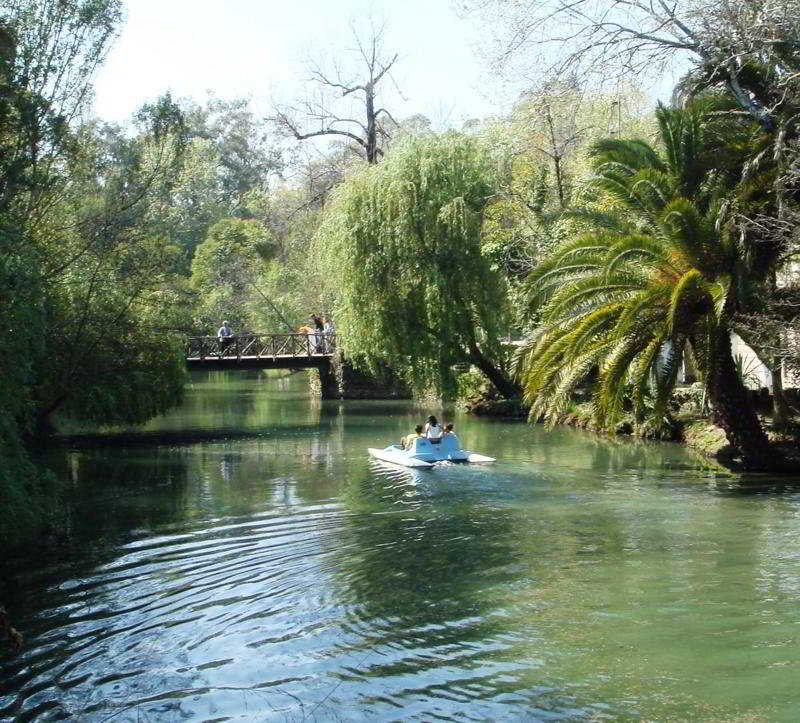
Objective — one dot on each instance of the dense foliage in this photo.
(89, 301)
(225, 273)
(657, 270)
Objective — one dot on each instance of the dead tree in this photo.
(345, 101)
(725, 42)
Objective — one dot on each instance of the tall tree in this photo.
(227, 167)
(110, 282)
(247, 156)
(412, 288)
(226, 274)
(545, 139)
(747, 48)
(344, 101)
(49, 51)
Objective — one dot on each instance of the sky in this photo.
(256, 49)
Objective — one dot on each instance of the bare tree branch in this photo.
(723, 41)
(320, 117)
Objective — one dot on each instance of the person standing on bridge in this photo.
(328, 329)
(319, 339)
(225, 336)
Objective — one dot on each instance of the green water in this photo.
(286, 576)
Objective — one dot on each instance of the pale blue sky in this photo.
(255, 48)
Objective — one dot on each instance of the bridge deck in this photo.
(261, 351)
(259, 362)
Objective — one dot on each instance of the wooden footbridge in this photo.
(261, 351)
(335, 378)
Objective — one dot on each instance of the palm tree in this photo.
(654, 270)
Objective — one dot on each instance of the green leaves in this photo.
(621, 299)
(690, 298)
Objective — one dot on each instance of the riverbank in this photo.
(688, 427)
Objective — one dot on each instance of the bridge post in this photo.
(323, 381)
(329, 385)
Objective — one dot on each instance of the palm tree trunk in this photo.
(732, 409)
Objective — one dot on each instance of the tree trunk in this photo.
(43, 426)
(559, 182)
(732, 409)
(371, 146)
(505, 384)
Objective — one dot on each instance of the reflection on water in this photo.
(288, 576)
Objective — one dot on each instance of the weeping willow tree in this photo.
(411, 286)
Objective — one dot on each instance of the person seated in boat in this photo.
(433, 431)
(449, 434)
(408, 440)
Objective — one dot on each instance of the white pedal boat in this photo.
(423, 453)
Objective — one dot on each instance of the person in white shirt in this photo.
(433, 431)
(225, 336)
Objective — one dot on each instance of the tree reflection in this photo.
(423, 577)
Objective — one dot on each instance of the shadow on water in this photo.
(107, 501)
(186, 437)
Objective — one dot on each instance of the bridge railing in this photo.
(261, 346)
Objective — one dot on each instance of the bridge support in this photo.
(327, 382)
(341, 380)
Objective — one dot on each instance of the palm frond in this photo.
(624, 156)
(643, 372)
(695, 235)
(638, 247)
(599, 220)
(666, 374)
(690, 298)
(608, 399)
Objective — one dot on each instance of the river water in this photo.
(286, 576)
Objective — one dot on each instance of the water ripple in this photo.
(148, 630)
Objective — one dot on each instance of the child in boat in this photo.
(433, 431)
(408, 440)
